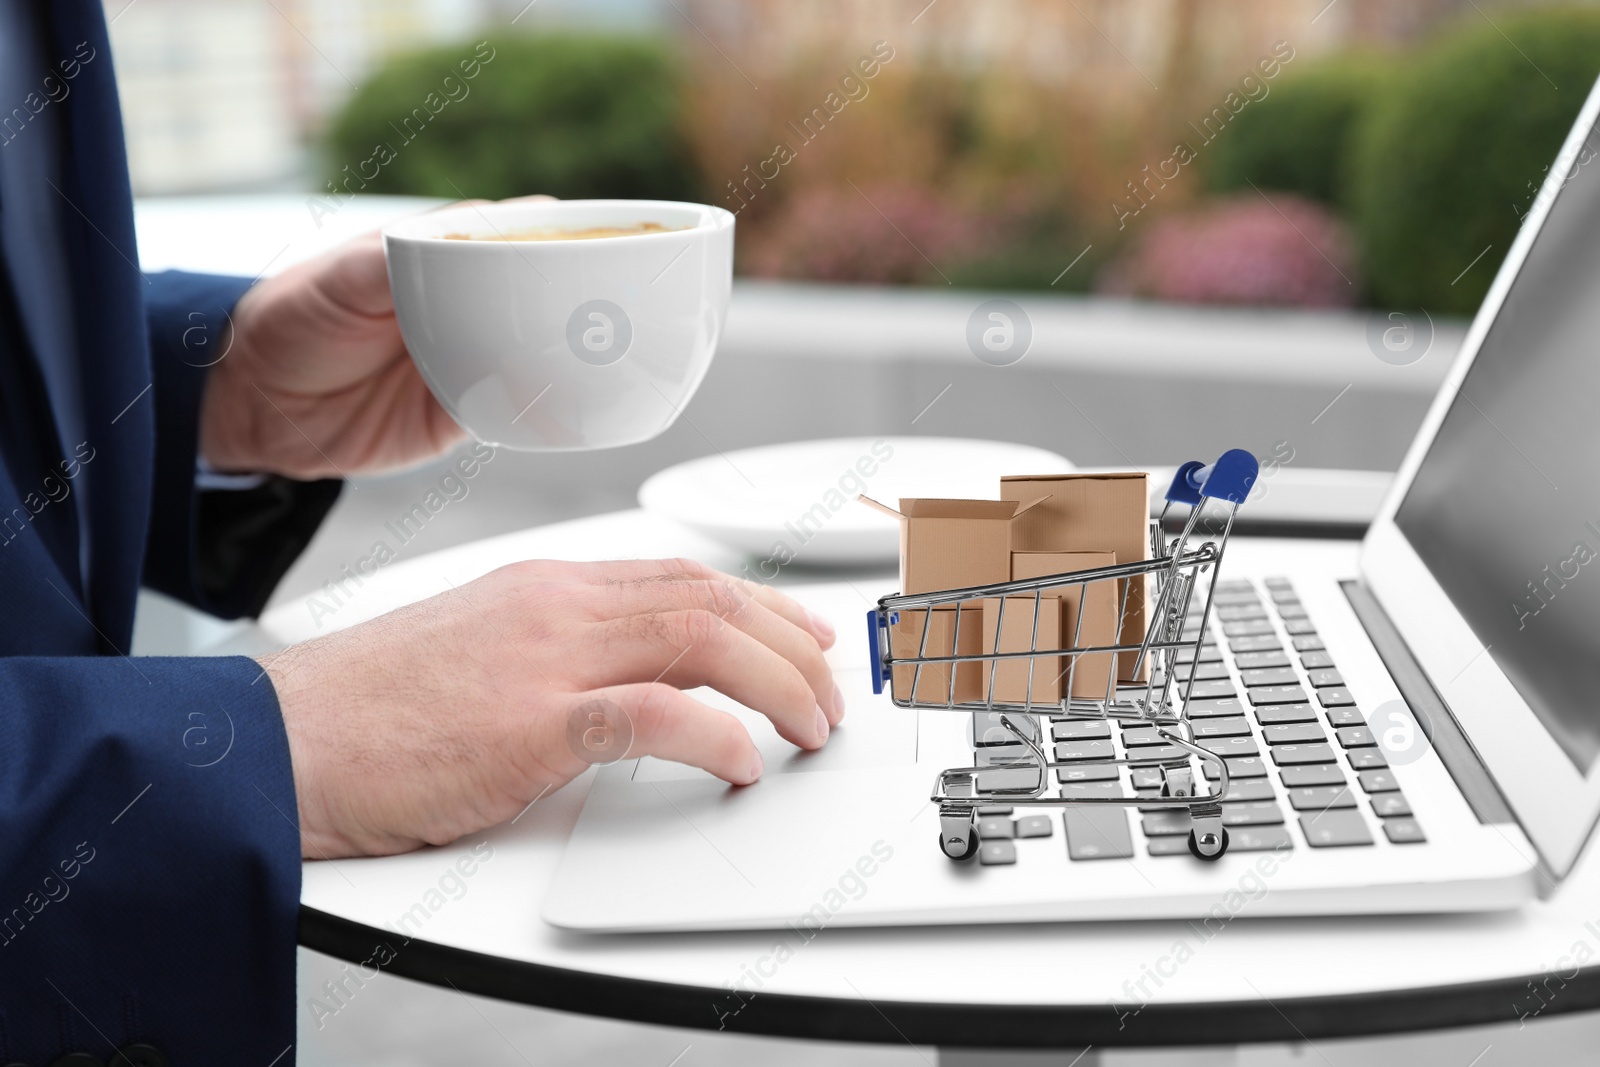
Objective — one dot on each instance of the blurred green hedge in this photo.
(1429, 154)
(569, 115)
(1298, 138)
(1442, 165)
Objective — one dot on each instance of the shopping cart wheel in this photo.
(1218, 846)
(958, 832)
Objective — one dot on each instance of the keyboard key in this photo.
(1086, 748)
(1097, 833)
(1247, 627)
(1250, 661)
(1147, 777)
(1366, 759)
(1299, 626)
(996, 828)
(1326, 676)
(1203, 672)
(1334, 828)
(1001, 755)
(1255, 813)
(1306, 642)
(1292, 733)
(1312, 774)
(1313, 661)
(1257, 643)
(1335, 697)
(1035, 826)
(1004, 779)
(1211, 709)
(1170, 846)
(1230, 726)
(1356, 737)
(1165, 823)
(1291, 609)
(1229, 746)
(994, 809)
(1284, 713)
(1345, 717)
(1142, 737)
(1271, 676)
(1231, 594)
(1259, 839)
(1389, 805)
(1158, 754)
(1079, 730)
(1403, 832)
(1209, 653)
(1378, 781)
(1275, 582)
(1277, 694)
(1290, 755)
(1241, 767)
(1213, 690)
(1249, 789)
(1088, 772)
(1073, 790)
(1321, 797)
(987, 729)
(1242, 612)
(997, 853)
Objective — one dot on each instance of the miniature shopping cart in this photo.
(1019, 675)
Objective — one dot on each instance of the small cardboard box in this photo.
(933, 687)
(1015, 633)
(1088, 513)
(952, 544)
(1097, 625)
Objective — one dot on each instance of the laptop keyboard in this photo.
(1269, 699)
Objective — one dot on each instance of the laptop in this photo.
(1438, 755)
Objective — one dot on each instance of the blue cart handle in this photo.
(880, 674)
(1230, 478)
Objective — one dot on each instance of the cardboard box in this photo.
(1015, 633)
(952, 544)
(1096, 625)
(1088, 513)
(933, 687)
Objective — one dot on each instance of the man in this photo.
(180, 430)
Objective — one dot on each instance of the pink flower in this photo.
(1290, 251)
(888, 234)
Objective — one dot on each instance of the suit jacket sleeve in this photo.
(222, 551)
(149, 857)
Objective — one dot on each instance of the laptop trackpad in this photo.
(874, 733)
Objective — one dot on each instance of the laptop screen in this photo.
(1505, 507)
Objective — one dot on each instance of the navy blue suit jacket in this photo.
(149, 845)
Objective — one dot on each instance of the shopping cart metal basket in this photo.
(1021, 677)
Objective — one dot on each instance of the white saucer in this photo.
(795, 503)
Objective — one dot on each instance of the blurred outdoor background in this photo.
(1262, 152)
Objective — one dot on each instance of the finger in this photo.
(686, 569)
(692, 648)
(669, 724)
(794, 611)
(740, 604)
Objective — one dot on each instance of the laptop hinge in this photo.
(1439, 726)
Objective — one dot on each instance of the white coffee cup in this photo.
(562, 344)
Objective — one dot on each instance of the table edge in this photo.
(948, 1024)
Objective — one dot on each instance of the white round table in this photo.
(1024, 986)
